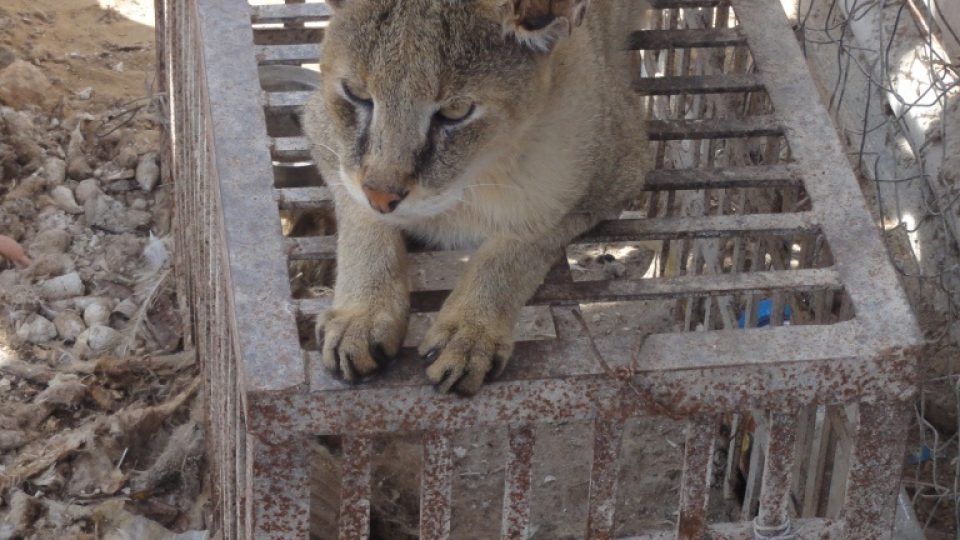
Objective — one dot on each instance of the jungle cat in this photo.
(505, 125)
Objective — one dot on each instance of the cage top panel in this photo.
(754, 218)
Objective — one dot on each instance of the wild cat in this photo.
(508, 125)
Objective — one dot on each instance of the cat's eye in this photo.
(456, 112)
(356, 93)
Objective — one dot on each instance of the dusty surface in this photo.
(100, 431)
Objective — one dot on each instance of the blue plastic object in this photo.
(763, 314)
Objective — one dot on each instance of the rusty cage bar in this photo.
(753, 201)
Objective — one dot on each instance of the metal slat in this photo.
(686, 4)
(516, 490)
(615, 230)
(287, 101)
(355, 488)
(289, 13)
(435, 487)
(695, 482)
(700, 84)
(308, 198)
(607, 439)
(656, 180)
(637, 289)
(750, 126)
(685, 38)
(773, 518)
(657, 130)
(274, 54)
(760, 176)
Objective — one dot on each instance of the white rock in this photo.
(37, 329)
(87, 189)
(69, 325)
(125, 309)
(98, 339)
(63, 197)
(148, 172)
(60, 287)
(55, 171)
(96, 313)
(85, 94)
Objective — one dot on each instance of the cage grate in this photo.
(752, 219)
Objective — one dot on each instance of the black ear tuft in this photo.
(336, 4)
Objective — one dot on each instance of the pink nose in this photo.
(383, 201)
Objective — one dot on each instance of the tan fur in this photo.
(555, 145)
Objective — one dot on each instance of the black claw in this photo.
(352, 378)
(379, 355)
(431, 355)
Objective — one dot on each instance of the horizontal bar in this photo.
(290, 147)
(675, 228)
(657, 180)
(289, 13)
(556, 380)
(700, 84)
(719, 128)
(287, 101)
(735, 177)
(307, 198)
(615, 230)
(686, 4)
(703, 285)
(305, 53)
(685, 38)
(636, 289)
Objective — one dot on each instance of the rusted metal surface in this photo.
(516, 492)
(279, 482)
(789, 225)
(773, 521)
(607, 438)
(435, 485)
(355, 489)
(875, 463)
(694, 490)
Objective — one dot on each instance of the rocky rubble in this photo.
(98, 401)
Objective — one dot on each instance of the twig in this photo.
(645, 396)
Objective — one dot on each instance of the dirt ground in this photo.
(100, 426)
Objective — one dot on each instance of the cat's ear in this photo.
(540, 24)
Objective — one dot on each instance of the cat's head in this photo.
(422, 93)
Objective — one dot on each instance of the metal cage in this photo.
(756, 219)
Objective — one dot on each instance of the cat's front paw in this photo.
(359, 340)
(464, 353)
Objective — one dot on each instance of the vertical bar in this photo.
(754, 476)
(278, 489)
(355, 488)
(817, 463)
(875, 465)
(806, 423)
(516, 493)
(607, 436)
(843, 435)
(733, 457)
(435, 487)
(695, 483)
(773, 520)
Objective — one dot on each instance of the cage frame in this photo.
(265, 394)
